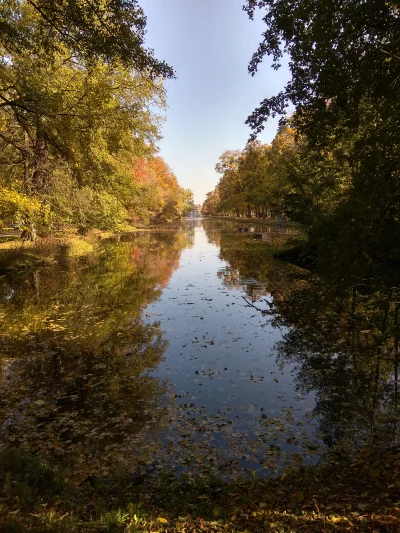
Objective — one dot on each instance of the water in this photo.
(193, 349)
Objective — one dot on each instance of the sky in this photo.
(209, 43)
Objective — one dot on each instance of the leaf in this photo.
(39, 402)
(162, 520)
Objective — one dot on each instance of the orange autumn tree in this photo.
(158, 196)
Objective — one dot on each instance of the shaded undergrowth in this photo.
(342, 493)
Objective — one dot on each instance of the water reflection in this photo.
(195, 348)
(236, 409)
(341, 333)
(76, 355)
(345, 343)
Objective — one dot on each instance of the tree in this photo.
(77, 129)
(344, 87)
(252, 181)
(161, 198)
(212, 202)
(341, 56)
(231, 185)
(80, 99)
(111, 31)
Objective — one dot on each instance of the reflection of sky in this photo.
(221, 353)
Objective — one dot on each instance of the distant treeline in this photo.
(253, 181)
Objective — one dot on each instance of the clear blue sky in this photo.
(209, 43)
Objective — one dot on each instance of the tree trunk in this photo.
(40, 174)
(30, 233)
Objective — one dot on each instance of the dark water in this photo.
(195, 350)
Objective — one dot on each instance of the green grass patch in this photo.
(343, 493)
(18, 255)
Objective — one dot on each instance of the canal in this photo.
(192, 349)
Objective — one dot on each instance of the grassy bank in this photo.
(342, 494)
(17, 254)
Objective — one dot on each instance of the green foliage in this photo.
(344, 174)
(81, 99)
(345, 192)
(341, 57)
(179, 204)
(253, 181)
(111, 30)
(95, 209)
(212, 202)
(21, 210)
(28, 478)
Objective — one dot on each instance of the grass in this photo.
(17, 254)
(343, 493)
(46, 250)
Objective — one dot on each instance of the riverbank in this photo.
(343, 493)
(261, 221)
(17, 254)
(24, 255)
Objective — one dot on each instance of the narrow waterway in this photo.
(237, 406)
(193, 349)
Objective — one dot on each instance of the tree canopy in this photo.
(110, 30)
(342, 55)
(338, 174)
(81, 102)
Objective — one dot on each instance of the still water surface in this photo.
(193, 350)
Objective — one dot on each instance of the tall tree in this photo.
(345, 68)
(110, 30)
(80, 98)
(341, 55)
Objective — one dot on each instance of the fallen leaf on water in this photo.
(39, 402)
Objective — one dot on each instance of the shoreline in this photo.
(344, 492)
(19, 255)
(259, 221)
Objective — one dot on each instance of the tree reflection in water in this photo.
(79, 346)
(342, 333)
(76, 358)
(345, 343)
